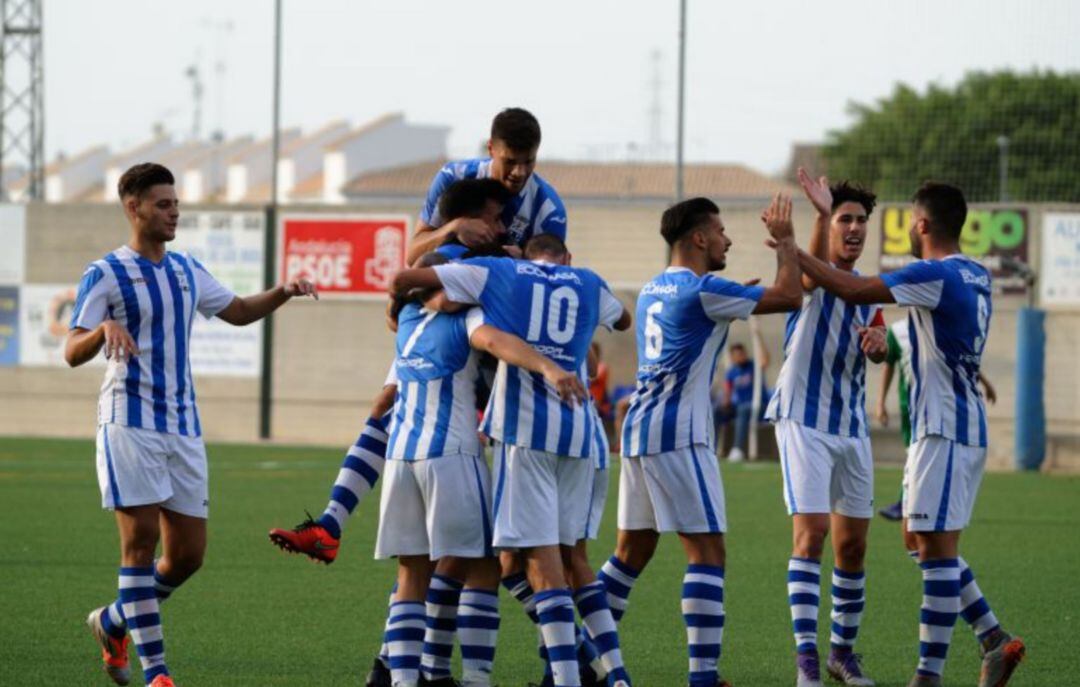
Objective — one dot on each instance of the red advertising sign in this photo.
(351, 255)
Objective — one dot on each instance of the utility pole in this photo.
(266, 379)
(22, 96)
(681, 115)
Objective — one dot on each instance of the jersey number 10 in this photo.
(562, 307)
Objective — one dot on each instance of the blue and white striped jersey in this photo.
(156, 302)
(682, 323)
(537, 209)
(554, 308)
(822, 382)
(436, 371)
(947, 325)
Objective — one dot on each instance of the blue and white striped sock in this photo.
(848, 601)
(442, 612)
(556, 611)
(405, 639)
(361, 469)
(139, 604)
(940, 606)
(804, 596)
(518, 586)
(113, 619)
(973, 607)
(384, 650)
(592, 605)
(618, 579)
(478, 630)
(703, 611)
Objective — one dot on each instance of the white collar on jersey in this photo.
(677, 268)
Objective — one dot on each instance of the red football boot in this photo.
(309, 538)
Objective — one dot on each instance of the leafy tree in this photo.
(951, 134)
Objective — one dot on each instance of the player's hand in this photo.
(817, 192)
(873, 341)
(567, 384)
(777, 219)
(882, 414)
(300, 287)
(988, 391)
(752, 282)
(118, 342)
(475, 233)
(514, 252)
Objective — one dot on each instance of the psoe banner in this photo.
(1060, 273)
(990, 235)
(343, 255)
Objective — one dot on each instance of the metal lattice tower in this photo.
(22, 95)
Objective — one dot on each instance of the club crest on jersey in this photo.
(517, 229)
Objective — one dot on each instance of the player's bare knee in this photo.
(636, 547)
(704, 549)
(850, 553)
(809, 542)
(484, 573)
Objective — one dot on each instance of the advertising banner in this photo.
(346, 256)
(230, 245)
(1060, 269)
(44, 316)
(994, 237)
(9, 326)
(13, 240)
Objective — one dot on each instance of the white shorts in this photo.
(825, 473)
(140, 467)
(941, 479)
(435, 507)
(540, 499)
(596, 503)
(677, 491)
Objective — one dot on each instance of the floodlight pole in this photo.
(680, 108)
(266, 378)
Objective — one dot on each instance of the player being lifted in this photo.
(823, 436)
(670, 478)
(544, 466)
(436, 497)
(948, 296)
(532, 207)
(138, 303)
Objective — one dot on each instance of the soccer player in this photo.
(670, 478)
(823, 436)
(544, 468)
(138, 304)
(948, 296)
(534, 206)
(899, 356)
(436, 495)
(738, 396)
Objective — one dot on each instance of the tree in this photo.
(952, 134)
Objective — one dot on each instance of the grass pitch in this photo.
(254, 616)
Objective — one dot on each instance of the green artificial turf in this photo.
(255, 616)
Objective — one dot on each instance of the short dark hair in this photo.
(737, 347)
(846, 191)
(469, 197)
(517, 128)
(138, 179)
(945, 208)
(682, 218)
(545, 244)
(429, 259)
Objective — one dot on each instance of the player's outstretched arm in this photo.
(786, 292)
(514, 351)
(820, 196)
(887, 371)
(247, 309)
(83, 344)
(854, 289)
(414, 278)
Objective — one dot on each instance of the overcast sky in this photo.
(761, 74)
